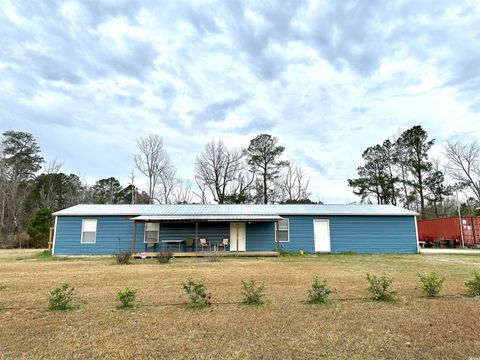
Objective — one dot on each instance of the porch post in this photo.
(196, 236)
(276, 236)
(134, 236)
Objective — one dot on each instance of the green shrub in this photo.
(430, 283)
(60, 298)
(253, 294)
(164, 257)
(473, 285)
(126, 297)
(283, 252)
(44, 255)
(320, 292)
(39, 227)
(123, 257)
(380, 288)
(197, 292)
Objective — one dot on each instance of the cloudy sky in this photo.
(328, 78)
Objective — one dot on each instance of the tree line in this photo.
(31, 188)
(401, 172)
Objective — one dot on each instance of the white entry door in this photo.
(321, 234)
(237, 236)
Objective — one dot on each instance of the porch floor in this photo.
(215, 253)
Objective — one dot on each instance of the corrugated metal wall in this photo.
(361, 234)
(449, 228)
(115, 233)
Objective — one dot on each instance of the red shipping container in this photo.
(450, 228)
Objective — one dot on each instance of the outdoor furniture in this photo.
(151, 243)
(223, 244)
(203, 244)
(174, 241)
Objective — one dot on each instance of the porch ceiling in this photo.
(208, 218)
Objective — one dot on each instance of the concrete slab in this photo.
(450, 251)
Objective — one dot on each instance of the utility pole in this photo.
(460, 219)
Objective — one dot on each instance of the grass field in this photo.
(288, 328)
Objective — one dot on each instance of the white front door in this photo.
(321, 234)
(237, 236)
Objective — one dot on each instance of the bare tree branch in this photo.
(464, 164)
(151, 161)
(219, 170)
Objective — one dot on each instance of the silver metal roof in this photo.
(216, 209)
(208, 217)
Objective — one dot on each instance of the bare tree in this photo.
(53, 167)
(201, 192)
(464, 164)
(183, 193)
(48, 192)
(168, 182)
(151, 161)
(294, 183)
(219, 170)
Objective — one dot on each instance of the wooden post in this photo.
(196, 236)
(50, 239)
(276, 237)
(134, 236)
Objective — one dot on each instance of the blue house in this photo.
(107, 229)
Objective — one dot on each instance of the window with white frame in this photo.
(282, 231)
(89, 231)
(152, 232)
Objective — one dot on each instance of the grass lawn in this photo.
(288, 328)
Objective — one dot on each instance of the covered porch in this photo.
(202, 235)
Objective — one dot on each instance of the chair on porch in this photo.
(203, 244)
(223, 244)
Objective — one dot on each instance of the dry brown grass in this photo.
(413, 328)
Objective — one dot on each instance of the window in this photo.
(89, 231)
(152, 232)
(282, 231)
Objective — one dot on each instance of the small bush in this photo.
(123, 257)
(431, 284)
(253, 294)
(213, 256)
(60, 298)
(473, 285)
(126, 297)
(380, 288)
(164, 257)
(197, 292)
(44, 255)
(320, 292)
(283, 252)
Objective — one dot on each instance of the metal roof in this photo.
(249, 210)
(208, 217)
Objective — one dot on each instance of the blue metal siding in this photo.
(115, 233)
(362, 234)
(260, 236)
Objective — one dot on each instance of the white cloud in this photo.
(328, 78)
